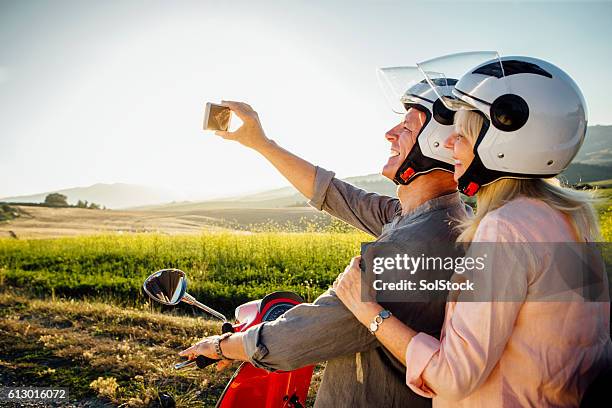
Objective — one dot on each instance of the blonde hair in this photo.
(577, 206)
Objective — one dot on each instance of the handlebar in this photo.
(200, 361)
(203, 362)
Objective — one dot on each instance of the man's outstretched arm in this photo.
(299, 172)
(363, 210)
(307, 334)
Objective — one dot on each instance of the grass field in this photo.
(224, 269)
(47, 340)
(72, 312)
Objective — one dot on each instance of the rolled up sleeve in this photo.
(364, 210)
(307, 334)
(420, 351)
(322, 180)
(253, 347)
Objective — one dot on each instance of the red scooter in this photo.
(249, 386)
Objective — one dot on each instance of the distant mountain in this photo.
(116, 195)
(597, 147)
(278, 198)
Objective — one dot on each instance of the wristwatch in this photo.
(217, 343)
(380, 317)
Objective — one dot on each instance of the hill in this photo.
(597, 147)
(115, 195)
(47, 222)
(586, 173)
(285, 197)
(288, 197)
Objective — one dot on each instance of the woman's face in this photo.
(402, 138)
(463, 152)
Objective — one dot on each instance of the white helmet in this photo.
(535, 116)
(405, 88)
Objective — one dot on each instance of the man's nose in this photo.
(393, 134)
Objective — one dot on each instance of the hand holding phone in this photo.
(249, 134)
(216, 117)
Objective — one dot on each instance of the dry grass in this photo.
(120, 355)
(45, 222)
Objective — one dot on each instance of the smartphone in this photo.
(216, 117)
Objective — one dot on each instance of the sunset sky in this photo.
(114, 91)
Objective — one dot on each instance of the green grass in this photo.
(224, 270)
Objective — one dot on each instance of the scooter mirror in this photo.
(167, 286)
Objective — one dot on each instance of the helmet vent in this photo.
(500, 155)
(509, 112)
(511, 67)
(442, 114)
(550, 162)
(441, 81)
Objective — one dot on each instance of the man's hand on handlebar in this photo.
(250, 134)
(206, 348)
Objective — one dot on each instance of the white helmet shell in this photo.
(439, 126)
(556, 121)
(536, 116)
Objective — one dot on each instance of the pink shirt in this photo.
(513, 354)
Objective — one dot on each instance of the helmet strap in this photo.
(470, 182)
(415, 162)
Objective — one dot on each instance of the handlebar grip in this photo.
(203, 362)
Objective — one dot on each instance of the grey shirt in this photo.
(359, 372)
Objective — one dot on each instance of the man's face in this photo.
(402, 137)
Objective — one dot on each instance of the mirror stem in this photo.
(192, 301)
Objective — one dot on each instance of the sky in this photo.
(114, 91)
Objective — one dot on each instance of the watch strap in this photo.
(217, 344)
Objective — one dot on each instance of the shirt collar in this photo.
(444, 201)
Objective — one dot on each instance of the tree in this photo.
(94, 206)
(82, 204)
(56, 200)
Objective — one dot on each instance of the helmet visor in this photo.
(400, 85)
(443, 71)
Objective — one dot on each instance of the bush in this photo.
(56, 200)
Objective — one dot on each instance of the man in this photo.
(359, 372)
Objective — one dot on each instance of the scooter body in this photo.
(254, 387)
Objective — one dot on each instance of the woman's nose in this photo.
(449, 142)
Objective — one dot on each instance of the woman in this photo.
(523, 352)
